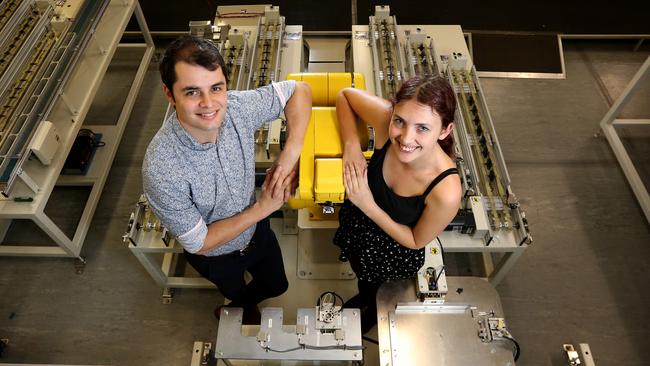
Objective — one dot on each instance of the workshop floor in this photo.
(585, 278)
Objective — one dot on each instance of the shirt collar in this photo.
(185, 138)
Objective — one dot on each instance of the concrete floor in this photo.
(584, 279)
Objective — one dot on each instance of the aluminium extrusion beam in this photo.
(607, 124)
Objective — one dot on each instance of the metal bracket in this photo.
(28, 180)
(80, 265)
(575, 357)
(491, 327)
(431, 278)
(167, 295)
(201, 353)
(74, 111)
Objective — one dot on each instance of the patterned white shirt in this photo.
(190, 185)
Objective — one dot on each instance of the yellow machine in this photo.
(320, 185)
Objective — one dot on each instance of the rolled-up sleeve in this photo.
(170, 199)
(267, 103)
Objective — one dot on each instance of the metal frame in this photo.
(495, 273)
(73, 105)
(608, 125)
(162, 272)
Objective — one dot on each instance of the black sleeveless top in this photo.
(403, 210)
(375, 256)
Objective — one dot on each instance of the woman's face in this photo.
(415, 130)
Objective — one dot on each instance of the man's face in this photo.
(200, 98)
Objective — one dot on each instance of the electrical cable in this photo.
(440, 274)
(333, 296)
(344, 347)
(442, 249)
(281, 350)
(303, 346)
(517, 350)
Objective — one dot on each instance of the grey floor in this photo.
(585, 278)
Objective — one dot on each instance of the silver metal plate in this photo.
(438, 335)
(275, 341)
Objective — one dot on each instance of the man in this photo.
(199, 172)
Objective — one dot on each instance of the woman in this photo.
(409, 191)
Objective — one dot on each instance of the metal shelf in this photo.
(68, 114)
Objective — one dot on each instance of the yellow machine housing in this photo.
(321, 167)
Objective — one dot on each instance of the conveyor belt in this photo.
(11, 13)
(383, 36)
(266, 56)
(10, 49)
(233, 56)
(483, 153)
(21, 118)
(422, 60)
(7, 10)
(13, 97)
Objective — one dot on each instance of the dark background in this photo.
(572, 17)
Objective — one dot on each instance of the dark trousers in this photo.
(368, 295)
(262, 259)
(367, 302)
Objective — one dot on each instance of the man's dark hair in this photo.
(194, 51)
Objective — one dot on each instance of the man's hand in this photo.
(273, 196)
(356, 186)
(287, 163)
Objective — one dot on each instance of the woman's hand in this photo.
(353, 157)
(356, 186)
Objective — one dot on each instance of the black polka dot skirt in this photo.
(374, 256)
